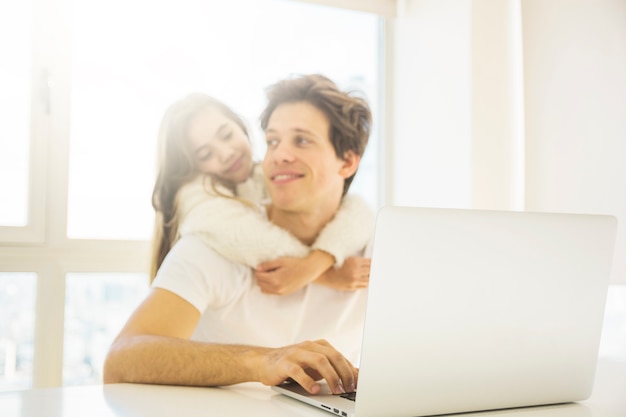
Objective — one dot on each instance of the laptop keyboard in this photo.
(349, 396)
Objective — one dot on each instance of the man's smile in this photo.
(285, 177)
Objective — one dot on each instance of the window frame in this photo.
(34, 230)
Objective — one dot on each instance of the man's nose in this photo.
(282, 153)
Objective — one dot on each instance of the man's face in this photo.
(301, 167)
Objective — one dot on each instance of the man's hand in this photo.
(354, 274)
(307, 363)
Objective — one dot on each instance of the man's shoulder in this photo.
(194, 248)
(189, 243)
(198, 274)
(192, 259)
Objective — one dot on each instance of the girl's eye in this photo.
(227, 136)
(271, 143)
(204, 156)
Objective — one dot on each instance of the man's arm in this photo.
(154, 347)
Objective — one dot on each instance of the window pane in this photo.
(15, 76)
(96, 307)
(17, 327)
(123, 80)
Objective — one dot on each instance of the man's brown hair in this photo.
(349, 115)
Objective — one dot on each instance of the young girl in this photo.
(207, 184)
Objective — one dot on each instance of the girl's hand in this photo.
(286, 275)
(353, 275)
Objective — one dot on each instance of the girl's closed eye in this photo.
(205, 156)
(227, 135)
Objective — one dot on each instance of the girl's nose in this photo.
(225, 153)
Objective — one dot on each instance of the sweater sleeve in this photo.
(237, 231)
(349, 231)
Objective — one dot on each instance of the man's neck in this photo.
(305, 225)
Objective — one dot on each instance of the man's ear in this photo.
(350, 163)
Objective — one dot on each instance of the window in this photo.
(77, 148)
(96, 307)
(17, 329)
(15, 84)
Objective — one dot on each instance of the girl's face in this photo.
(219, 146)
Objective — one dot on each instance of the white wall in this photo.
(497, 105)
(575, 105)
(511, 104)
(431, 102)
(457, 104)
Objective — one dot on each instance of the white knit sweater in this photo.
(244, 235)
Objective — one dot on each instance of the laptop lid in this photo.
(477, 310)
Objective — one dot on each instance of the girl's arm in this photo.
(350, 230)
(286, 275)
(242, 234)
(348, 233)
(237, 231)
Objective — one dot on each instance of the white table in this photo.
(247, 400)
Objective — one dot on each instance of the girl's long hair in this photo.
(176, 167)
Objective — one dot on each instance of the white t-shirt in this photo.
(235, 311)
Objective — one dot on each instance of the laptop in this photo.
(472, 310)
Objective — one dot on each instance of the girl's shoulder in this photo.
(205, 184)
(198, 190)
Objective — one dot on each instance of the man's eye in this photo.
(301, 140)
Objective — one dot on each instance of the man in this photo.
(206, 322)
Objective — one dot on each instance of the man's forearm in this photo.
(172, 361)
